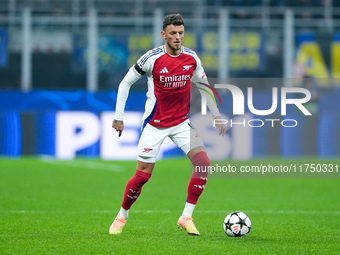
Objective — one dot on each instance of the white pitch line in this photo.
(84, 164)
(169, 212)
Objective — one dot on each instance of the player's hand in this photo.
(119, 126)
(222, 128)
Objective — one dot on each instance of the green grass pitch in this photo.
(67, 207)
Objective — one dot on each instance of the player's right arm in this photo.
(142, 66)
(133, 75)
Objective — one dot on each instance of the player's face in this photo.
(173, 36)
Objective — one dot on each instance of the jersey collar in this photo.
(173, 55)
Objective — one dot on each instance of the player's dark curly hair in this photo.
(174, 19)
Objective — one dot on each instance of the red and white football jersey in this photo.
(169, 85)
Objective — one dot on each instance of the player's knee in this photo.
(145, 166)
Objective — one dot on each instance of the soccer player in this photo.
(169, 69)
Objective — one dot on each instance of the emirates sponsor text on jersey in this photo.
(175, 81)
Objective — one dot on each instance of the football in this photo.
(237, 224)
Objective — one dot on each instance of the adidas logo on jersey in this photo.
(164, 70)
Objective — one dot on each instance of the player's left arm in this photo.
(201, 80)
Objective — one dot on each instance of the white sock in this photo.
(188, 210)
(123, 213)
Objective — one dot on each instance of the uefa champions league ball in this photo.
(237, 224)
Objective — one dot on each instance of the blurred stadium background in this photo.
(61, 63)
